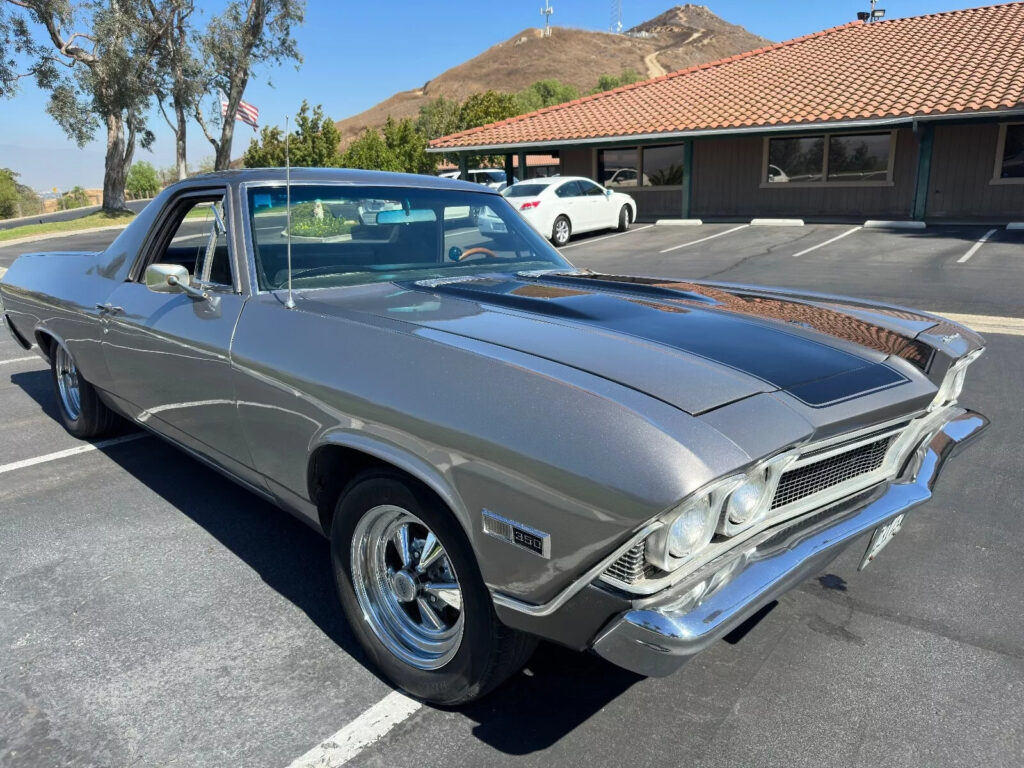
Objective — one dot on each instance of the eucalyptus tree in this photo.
(246, 34)
(180, 76)
(96, 58)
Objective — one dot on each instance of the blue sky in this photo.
(356, 54)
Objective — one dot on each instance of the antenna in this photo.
(615, 26)
(290, 304)
(546, 12)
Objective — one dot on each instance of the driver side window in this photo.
(197, 240)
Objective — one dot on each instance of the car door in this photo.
(598, 206)
(168, 353)
(572, 204)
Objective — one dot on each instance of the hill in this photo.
(680, 37)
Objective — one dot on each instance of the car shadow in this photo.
(557, 691)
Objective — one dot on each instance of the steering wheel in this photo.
(473, 251)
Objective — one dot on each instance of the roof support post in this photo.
(463, 166)
(925, 136)
(522, 165)
(687, 177)
(509, 173)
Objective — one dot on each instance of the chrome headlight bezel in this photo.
(663, 551)
(953, 382)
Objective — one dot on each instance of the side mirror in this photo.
(608, 192)
(171, 278)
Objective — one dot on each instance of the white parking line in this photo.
(828, 242)
(705, 239)
(607, 237)
(1011, 326)
(4, 468)
(366, 729)
(974, 248)
(21, 360)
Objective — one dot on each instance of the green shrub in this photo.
(306, 224)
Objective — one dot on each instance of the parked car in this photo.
(562, 206)
(499, 446)
(490, 177)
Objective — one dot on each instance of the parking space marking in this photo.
(21, 360)
(368, 728)
(4, 468)
(1011, 326)
(705, 239)
(828, 242)
(974, 248)
(607, 237)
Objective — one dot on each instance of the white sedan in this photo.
(561, 206)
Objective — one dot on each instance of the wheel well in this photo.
(332, 468)
(45, 342)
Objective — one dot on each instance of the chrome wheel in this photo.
(561, 231)
(67, 383)
(407, 587)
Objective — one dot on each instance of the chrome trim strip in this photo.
(546, 609)
(658, 636)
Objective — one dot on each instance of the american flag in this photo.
(247, 113)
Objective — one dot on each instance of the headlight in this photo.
(692, 529)
(746, 505)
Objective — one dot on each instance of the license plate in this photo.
(883, 535)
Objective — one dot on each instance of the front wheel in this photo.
(413, 594)
(624, 218)
(561, 231)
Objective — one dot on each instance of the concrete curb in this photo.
(882, 224)
(679, 222)
(1015, 225)
(776, 222)
(65, 233)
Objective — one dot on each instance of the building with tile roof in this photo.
(912, 118)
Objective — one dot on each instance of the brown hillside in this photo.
(680, 37)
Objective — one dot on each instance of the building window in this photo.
(663, 166)
(618, 167)
(841, 159)
(1010, 154)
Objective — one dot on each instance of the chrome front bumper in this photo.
(661, 633)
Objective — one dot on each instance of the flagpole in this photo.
(290, 304)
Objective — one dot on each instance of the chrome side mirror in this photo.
(171, 278)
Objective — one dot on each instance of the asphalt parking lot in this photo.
(153, 613)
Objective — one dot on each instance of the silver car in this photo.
(500, 447)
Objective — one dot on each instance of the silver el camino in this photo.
(500, 447)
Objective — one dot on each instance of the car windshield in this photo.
(525, 190)
(490, 175)
(345, 235)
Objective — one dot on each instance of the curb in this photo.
(65, 233)
(883, 224)
(776, 222)
(679, 222)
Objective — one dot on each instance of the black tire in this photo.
(560, 234)
(488, 652)
(93, 419)
(625, 218)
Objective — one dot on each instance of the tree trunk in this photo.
(116, 164)
(179, 139)
(222, 160)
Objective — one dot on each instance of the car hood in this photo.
(695, 346)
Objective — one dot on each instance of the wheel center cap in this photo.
(404, 586)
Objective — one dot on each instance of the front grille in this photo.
(631, 567)
(809, 479)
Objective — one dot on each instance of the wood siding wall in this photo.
(577, 162)
(656, 203)
(963, 160)
(727, 183)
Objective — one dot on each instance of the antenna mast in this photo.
(546, 12)
(290, 304)
(615, 27)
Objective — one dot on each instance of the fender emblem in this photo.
(517, 534)
(951, 338)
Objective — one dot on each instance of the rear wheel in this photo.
(411, 590)
(560, 231)
(83, 413)
(624, 218)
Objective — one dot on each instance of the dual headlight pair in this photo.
(728, 507)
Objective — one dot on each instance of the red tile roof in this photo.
(945, 63)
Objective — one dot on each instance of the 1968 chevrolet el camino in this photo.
(499, 446)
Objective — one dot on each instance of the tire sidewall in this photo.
(624, 218)
(460, 677)
(82, 427)
(554, 231)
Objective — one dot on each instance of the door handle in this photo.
(109, 309)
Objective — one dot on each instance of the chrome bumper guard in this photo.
(662, 632)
